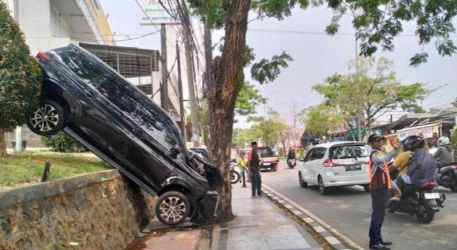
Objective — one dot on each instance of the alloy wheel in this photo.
(45, 118)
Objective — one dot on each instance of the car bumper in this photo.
(332, 180)
(268, 165)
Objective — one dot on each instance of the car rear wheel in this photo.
(322, 189)
(172, 208)
(303, 184)
(47, 119)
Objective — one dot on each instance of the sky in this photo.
(316, 55)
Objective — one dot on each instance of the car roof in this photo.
(336, 143)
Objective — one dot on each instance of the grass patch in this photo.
(28, 167)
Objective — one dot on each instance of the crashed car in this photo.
(91, 102)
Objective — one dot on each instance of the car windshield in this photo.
(265, 152)
(348, 152)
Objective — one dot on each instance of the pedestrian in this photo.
(380, 183)
(242, 163)
(254, 170)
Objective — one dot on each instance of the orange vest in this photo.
(386, 181)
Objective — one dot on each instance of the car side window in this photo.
(309, 155)
(318, 153)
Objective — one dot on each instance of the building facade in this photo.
(49, 24)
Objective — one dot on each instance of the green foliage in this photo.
(277, 8)
(322, 119)
(62, 142)
(28, 167)
(266, 71)
(19, 74)
(248, 99)
(370, 91)
(270, 130)
(378, 22)
(211, 12)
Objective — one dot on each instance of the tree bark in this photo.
(222, 95)
(2, 143)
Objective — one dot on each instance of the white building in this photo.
(49, 24)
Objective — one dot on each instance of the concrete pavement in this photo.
(348, 209)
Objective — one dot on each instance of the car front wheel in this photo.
(303, 184)
(172, 208)
(47, 119)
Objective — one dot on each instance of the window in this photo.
(348, 152)
(315, 154)
(318, 153)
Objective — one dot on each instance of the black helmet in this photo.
(413, 142)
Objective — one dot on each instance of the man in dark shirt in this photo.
(254, 170)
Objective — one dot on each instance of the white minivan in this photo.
(335, 164)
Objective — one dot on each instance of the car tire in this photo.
(303, 184)
(322, 189)
(366, 187)
(172, 208)
(47, 119)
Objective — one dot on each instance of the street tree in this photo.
(19, 77)
(377, 23)
(322, 119)
(370, 92)
(248, 99)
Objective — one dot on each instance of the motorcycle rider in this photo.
(422, 165)
(444, 154)
(291, 154)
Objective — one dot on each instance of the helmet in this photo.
(443, 140)
(413, 142)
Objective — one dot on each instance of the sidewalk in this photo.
(260, 224)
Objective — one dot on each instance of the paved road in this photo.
(348, 209)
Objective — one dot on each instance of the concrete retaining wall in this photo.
(95, 211)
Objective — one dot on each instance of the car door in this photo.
(316, 163)
(306, 166)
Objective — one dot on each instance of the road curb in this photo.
(334, 238)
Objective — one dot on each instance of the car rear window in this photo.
(348, 152)
(265, 152)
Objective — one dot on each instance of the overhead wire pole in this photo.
(185, 21)
(181, 101)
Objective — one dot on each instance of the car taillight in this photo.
(330, 163)
(42, 56)
(454, 166)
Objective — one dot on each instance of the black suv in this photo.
(99, 108)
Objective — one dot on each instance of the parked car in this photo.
(335, 164)
(111, 117)
(268, 158)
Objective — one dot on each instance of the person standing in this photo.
(242, 163)
(380, 183)
(254, 170)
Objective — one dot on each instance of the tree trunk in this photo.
(222, 96)
(2, 143)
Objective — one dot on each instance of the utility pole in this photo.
(190, 73)
(181, 101)
(164, 82)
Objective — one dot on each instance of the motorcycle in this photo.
(234, 175)
(447, 176)
(291, 163)
(422, 201)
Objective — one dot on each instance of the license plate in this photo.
(432, 196)
(353, 168)
(266, 164)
